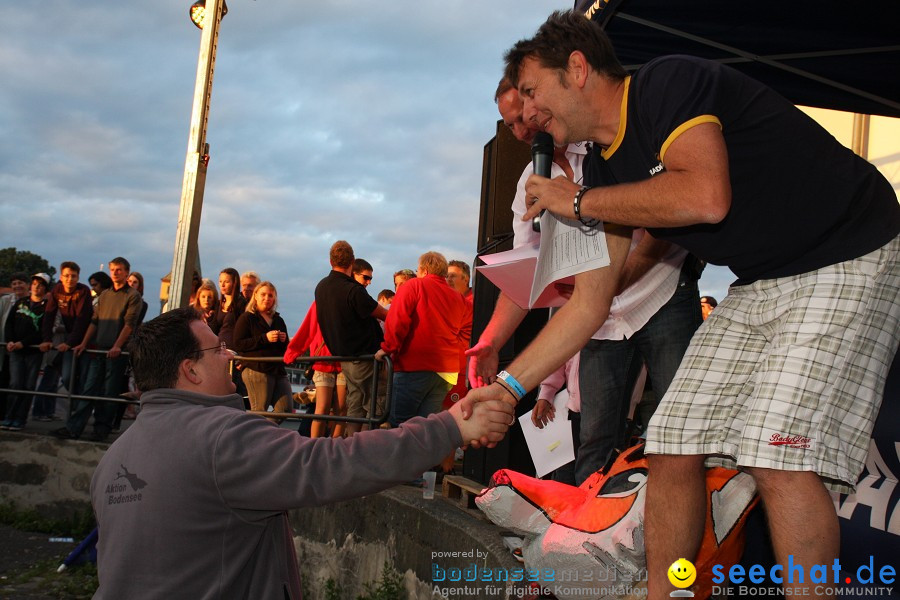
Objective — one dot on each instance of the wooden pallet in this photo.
(461, 489)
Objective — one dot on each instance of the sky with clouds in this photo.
(328, 120)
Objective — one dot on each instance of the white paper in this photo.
(527, 274)
(553, 446)
(568, 248)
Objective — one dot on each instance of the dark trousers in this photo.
(608, 370)
(104, 377)
(23, 373)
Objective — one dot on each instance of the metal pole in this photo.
(186, 249)
(860, 143)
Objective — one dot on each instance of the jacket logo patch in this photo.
(118, 493)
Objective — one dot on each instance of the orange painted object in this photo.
(599, 525)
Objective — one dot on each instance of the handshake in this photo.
(483, 422)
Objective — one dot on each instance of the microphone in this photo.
(542, 158)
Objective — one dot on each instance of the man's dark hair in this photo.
(462, 266)
(563, 33)
(122, 262)
(360, 265)
(20, 277)
(69, 265)
(341, 254)
(158, 346)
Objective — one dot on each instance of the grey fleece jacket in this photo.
(191, 499)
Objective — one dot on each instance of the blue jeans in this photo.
(104, 377)
(23, 373)
(417, 394)
(608, 371)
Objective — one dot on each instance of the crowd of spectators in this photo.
(61, 335)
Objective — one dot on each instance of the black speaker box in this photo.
(505, 158)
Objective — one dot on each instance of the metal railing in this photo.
(70, 385)
(373, 420)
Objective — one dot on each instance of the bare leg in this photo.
(802, 521)
(323, 407)
(675, 515)
(340, 410)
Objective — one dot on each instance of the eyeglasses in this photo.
(222, 346)
(366, 277)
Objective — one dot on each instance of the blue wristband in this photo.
(511, 382)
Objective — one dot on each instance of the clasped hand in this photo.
(555, 195)
(497, 399)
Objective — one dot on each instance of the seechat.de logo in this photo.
(816, 579)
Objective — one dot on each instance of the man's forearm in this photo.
(506, 318)
(694, 188)
(570, 329)
(123, 336)
(644, 257)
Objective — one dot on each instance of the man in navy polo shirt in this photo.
(348, 320)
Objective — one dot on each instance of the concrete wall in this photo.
(400, 526)
(348, 542)
(47, 474)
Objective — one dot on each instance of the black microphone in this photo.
(542, 158)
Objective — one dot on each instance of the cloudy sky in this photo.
(329, 120)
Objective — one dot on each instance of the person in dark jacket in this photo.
(261, 332)
(231, 304)
(23, 334)
(66, 319)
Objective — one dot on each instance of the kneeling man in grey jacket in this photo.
(191, 500)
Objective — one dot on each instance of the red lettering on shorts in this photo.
(790, 441)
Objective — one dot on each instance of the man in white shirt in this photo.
(651, 320)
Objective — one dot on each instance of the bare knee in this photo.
(774, 483)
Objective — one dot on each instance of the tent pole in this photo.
(861, 135)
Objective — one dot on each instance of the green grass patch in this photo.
(76, 583)
(76, 526)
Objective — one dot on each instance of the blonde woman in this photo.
(261, 332)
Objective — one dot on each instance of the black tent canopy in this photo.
(823, 53)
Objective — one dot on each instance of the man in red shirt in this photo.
(422, 334)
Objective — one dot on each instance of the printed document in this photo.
(527, 274)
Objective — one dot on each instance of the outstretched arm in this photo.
(570, 329)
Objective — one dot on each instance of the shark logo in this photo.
(136, 482)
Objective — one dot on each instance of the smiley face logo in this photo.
(682, 573)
